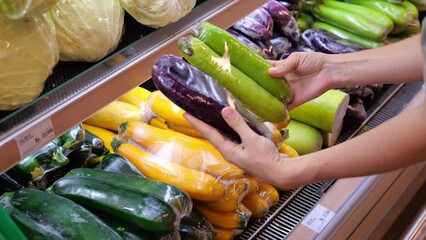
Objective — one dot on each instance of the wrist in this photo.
(295, 172)
(339, 70)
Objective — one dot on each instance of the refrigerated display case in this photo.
(353, 208)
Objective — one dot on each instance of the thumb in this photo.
(280, 68)
(237, 122)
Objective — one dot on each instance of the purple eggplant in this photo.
(299, 48)
(200, 95)
(356, 109)
(325, 42)
(281, 45)
(262, 16)
(247, 42)
(285, 22)
(258, 25)
(292, 5)
(267, 48)
(295, 7)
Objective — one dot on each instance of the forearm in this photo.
(395, 144)
(396, 63)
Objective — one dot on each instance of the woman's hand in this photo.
(308, 74)
(256, 154)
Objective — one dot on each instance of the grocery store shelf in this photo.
(53, 113)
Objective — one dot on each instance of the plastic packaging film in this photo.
(200, 94)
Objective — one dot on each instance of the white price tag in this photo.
(318, 218)
(35, 138)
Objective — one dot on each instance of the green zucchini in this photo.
(245, 89)
(302, 24)
(129, 231)
(399, 15)
(196, 226)
(51, 157)
(26, 170)
(8, 183)
(374, 17)
(96, 144)
(347, 35)
(307, 17)
(141, 209)
(73, 138)
(176, 198)
(116, 163)
(351, 22)
(43, 215)
(414, 25)
(411, 8)
(244, 59)
(8, 227)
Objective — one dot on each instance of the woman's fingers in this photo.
(280, 68)
(237, 122)
(210, 133)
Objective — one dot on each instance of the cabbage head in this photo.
(158, 13)
(28, 54)
(87, 30)
(17, 9)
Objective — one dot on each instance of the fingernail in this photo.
(228, 113)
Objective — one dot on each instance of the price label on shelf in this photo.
(35, 138)
(318, 218)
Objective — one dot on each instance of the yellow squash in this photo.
(286, 149)
(269, 193)
(258, 205)
(190, 131)
(254, 184)
(199, 185)
(164, 108)
(106, 135)
(114, 114)
(176, 147)
(138, 96)
(158, 123)
(226, 234)
(236, 219)
(235, 192)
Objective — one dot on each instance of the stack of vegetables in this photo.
(332, 27)
(116, 199)
(164, 147)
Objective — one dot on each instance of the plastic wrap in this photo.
(194, 153)
(200, 95)
(243, 59)
(170, 115)
(237, 219)
(196, 226)
(52, 161)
